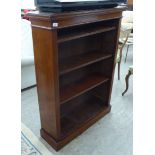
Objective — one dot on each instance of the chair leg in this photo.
(127, 82)
(126, 53)
(119, 64)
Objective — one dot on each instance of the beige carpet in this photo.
(30, 144)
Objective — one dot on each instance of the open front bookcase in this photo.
(74, 60)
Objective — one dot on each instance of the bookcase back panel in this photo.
(83, 108)
(66, 33)
(103, 43)
(99, 92)
(99, 68)
(79, 46)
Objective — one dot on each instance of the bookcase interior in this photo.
(85, 71)
(78, 111)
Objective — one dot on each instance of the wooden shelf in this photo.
(82, 114)
(77, 62)
(73, 90)
(83, 33)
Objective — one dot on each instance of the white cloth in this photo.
(27, 57)
(127, 20)
(26, 39)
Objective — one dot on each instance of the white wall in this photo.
(27, 4)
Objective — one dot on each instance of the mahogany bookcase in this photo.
(74, 61)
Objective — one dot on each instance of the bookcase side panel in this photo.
(46, 65)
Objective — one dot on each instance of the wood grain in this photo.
(74, 65)
(46, 67)
(73, 90)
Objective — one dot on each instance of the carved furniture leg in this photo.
(127, 82)
(126, 53)
(119, 63)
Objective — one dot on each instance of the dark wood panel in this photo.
(99, 92)
(102, 67)
(73, 63)
(82, 113)
(73, 90)
(46, 67)
(57, 145)
(81, 46)
(74, 18)
(83, 33)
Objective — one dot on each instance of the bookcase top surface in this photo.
(51, 21)
(52, 15)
